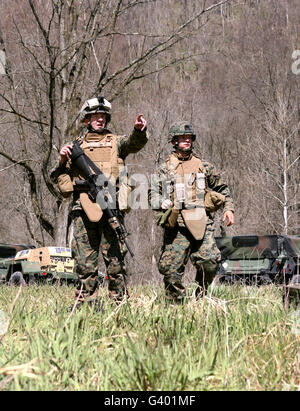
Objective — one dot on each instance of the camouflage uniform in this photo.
(91, 237)
(179, 244)
(88, 238)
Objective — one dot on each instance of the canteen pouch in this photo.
(213, 201)
(162, 217)
(173, 217)
(65, 185)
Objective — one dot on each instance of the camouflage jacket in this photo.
(125, 145)
(161, 178)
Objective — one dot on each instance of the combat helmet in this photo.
(181, 128)
(96, 105)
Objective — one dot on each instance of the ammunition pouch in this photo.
(65, 185)
(167, 218)
(173, 217)
(124, 196)
(162, 217)
(213, 201)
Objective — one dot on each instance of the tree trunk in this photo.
(285, 193)
(61, 229)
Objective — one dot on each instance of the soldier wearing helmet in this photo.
(91, 232)
(182, 128)
(186, 191)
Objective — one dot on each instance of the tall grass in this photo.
(236, 338)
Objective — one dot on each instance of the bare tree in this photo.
(267, 101)
(274, 164)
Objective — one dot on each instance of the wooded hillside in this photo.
(230, 67)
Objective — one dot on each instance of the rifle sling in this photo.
(83, 186)
(93, 165)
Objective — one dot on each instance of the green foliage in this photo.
(237, 338)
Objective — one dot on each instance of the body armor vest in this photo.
(188, 179)
(103, 151)
(189, 187)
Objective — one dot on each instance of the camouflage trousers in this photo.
(88, 240)
(179, 245)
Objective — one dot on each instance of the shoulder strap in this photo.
(92, 165)
(90, 162)
(201, 167)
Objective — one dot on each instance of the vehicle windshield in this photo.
(248, 247)
(7, 252)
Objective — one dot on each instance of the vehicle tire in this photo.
(17, 279)
(295, 279)
(223, 279)
(291, 293)
(33, 281)
(229, 280)
(218, 279)
(265, 279)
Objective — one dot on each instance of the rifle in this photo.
(97, 192)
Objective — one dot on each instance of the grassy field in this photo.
(237, 338)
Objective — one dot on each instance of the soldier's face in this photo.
(184, 142)
(98, 121)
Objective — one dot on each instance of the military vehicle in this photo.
(10, 250)
(261, 259)
(31, 265)
(7, 253)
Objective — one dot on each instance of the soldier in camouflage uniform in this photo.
(92, 232)
(186, 191)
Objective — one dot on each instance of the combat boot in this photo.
(174, 289)
(291, 295)
(91, 299)
(200, 292)
(172, 301)
(96, 305)
(118, 296)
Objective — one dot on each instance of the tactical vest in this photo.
(189, 188)
(103, 151)
(189, 175)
